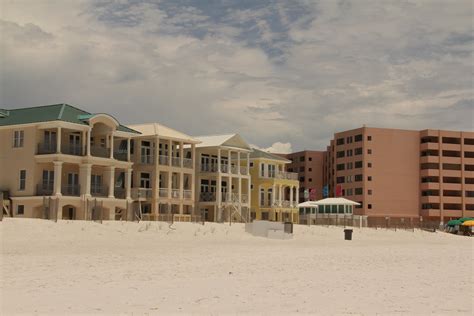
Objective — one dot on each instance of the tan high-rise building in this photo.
(403, 173)
(58, 161)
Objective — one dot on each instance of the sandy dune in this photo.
(148, 268)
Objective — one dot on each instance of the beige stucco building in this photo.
(222, 178)
(58, 161)
(163, 173)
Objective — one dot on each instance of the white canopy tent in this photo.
(328, 206)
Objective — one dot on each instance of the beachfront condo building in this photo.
(403, 173)
(58, 161)
(222, 178)
(163, 183)
(275, 191)
(308, 164)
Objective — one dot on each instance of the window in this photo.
(358, 151)
(18, 138)
(349, 192)
(349, 139)
(358, 138)
(20, 210)
(340, 141)
(22, 180)
(340, 166)
(369, 151)
(310, 158)
(369, 206)
(358, 164)
(262, 170)
(262, 197)
(340, 180)
(290, 169)
(369, 178)
(251, 165)
(301, 179)
(301, 169)
(369, 165)
(251, 187)
(358, 178)
(349, 179)
(358, 191)
(369, 138)
(310, 169)
(349, 165)
(369, 192)
(340, 154)
(310, 180)
(349, 153)
(302, 158)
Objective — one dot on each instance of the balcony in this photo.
(244, 198)
(45, 189)
(429, 159)
(187, 194)
(141, 193)
(429, 172)
(67, 149)
(207, 197)
(175, 194)
(163, 160)
(147, 159)
(429, 186)
(287, 175)
(120, 155)
(429, 146)
(233, 169)
(176, 161)
(187, 163)
(244, 170)
(98, 151)
(71, 190)
(163, 192)
(208, 167)
(99, 190)
(46, 148)
(119, 193)
(224, 168)
(285, 203)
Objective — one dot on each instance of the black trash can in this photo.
(348, 234)
(288, 227)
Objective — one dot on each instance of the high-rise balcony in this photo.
(209, 167)
(67, 149)
(71, 190)
(207, 197)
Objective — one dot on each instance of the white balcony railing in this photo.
(187, 194)
(208, 167)
(142, 193)
(176, 161)
(163, 192)
(286, 175)
(187, 163)
(163, 160)
(233, 169)
(243, 170)
(175, 194)
(224, 168)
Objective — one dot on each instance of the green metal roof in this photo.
(47, 113)
(257, 153)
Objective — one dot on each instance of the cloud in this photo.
(277, 148)
(277, 72)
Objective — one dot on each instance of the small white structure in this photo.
(329, 210)
(274, 230)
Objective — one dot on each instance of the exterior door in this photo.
(146, 152)
(48, 180)
(50, 139)
(75, 144)
(72, 183)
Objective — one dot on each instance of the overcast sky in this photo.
(284, 74)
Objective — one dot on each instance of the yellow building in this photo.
(274, 192)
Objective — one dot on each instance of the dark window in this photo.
(369, 165)
(349, 139)
(349, 153)
(310, 169)
(358, 191)
(20, 210)
(369, 192)
(251, 164)
(468, 141)
(369, 206)
(452, 166)
(469, 154)
(358, 151)
(369, 138)
(451, 140)
(301, 169)
(429, 139)
(340, 179)
(132, 146)
(424, 166)
(369, 178)
(469, 167)
(358, 164)
(358, 138)
(340, 154)
(302, 158)
(369, 151)
(301, 179)
(310, 158)
(340, 141)
(310, 180)
(469, 180)
(22, 183)
(340, 166)
(469, 193)
(358, 178)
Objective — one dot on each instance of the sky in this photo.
(286, 75)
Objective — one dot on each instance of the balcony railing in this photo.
(98, 151)
(120, 155)
(47, 148)
(147, 159)
(187, 163)
(163, 160)
(119, 193)
(71, 149)
(187, 194)
(243, 170)
(207, 197)
(71, 190)
(176, 161)
(285, 203)
(45, 188)
(244, 198)
(208, 167)
(175, 194)
(233, 169)
(224, 168)
(286, 175)
(99, 190)
(163, 192)
(141, 193)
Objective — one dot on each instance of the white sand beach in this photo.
(147, 268)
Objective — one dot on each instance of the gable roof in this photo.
(156, 129)
(257, 153)
(46, 113)
(228, 140)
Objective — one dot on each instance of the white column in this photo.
(128, 149)
(181, 184)
(229, 161)
(181, 154)
(170, 182)
(249, 193)
(110, 171)
(128, 184)
(84, 143)
(238, 162)
(297, 195)
(193, 155)
(281, 195)
(111, 146)
(157, 151)
(89, 142)
(219, 184)
(85, 171)
(273, 194)
(170, 151)
(239, 189)
(58, 145)
(291, 196)
(58, 166)
(248, 164)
